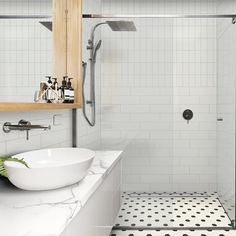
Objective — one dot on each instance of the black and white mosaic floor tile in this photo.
(171, 210)
(173, 233)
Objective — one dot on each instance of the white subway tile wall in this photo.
(194, 85)
(148, 79)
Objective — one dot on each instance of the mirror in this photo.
(26, 48)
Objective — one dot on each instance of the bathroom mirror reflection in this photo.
(26, 47)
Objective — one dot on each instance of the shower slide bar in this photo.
(158, 16)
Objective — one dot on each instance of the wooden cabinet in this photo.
(67, 59)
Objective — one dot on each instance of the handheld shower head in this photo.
(98, 45)
(96, 48)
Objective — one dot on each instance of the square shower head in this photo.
(122, 25)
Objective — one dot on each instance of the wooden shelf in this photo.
(12, 106)
(67, 54)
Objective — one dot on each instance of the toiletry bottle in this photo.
(59, 92)
(66, 93)
(54, 83)
(63, 86)
(49, 91)
(49, 79)
(42, 92)
(55, 89)
(72, 92)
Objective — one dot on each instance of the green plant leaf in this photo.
(3, 171)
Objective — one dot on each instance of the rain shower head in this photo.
(119, 26)
(122, 25)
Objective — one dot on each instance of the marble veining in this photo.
(47, 213)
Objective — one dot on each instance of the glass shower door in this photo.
(226, 38)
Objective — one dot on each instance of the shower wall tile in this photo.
(149, 78)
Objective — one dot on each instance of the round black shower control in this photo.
(188, 114)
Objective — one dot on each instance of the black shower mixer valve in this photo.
(188, 115)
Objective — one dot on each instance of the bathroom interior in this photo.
(118, 117)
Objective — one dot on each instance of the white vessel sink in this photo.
(50, 168)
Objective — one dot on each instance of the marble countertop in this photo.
(47, 213)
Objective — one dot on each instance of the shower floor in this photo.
(151, 214)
